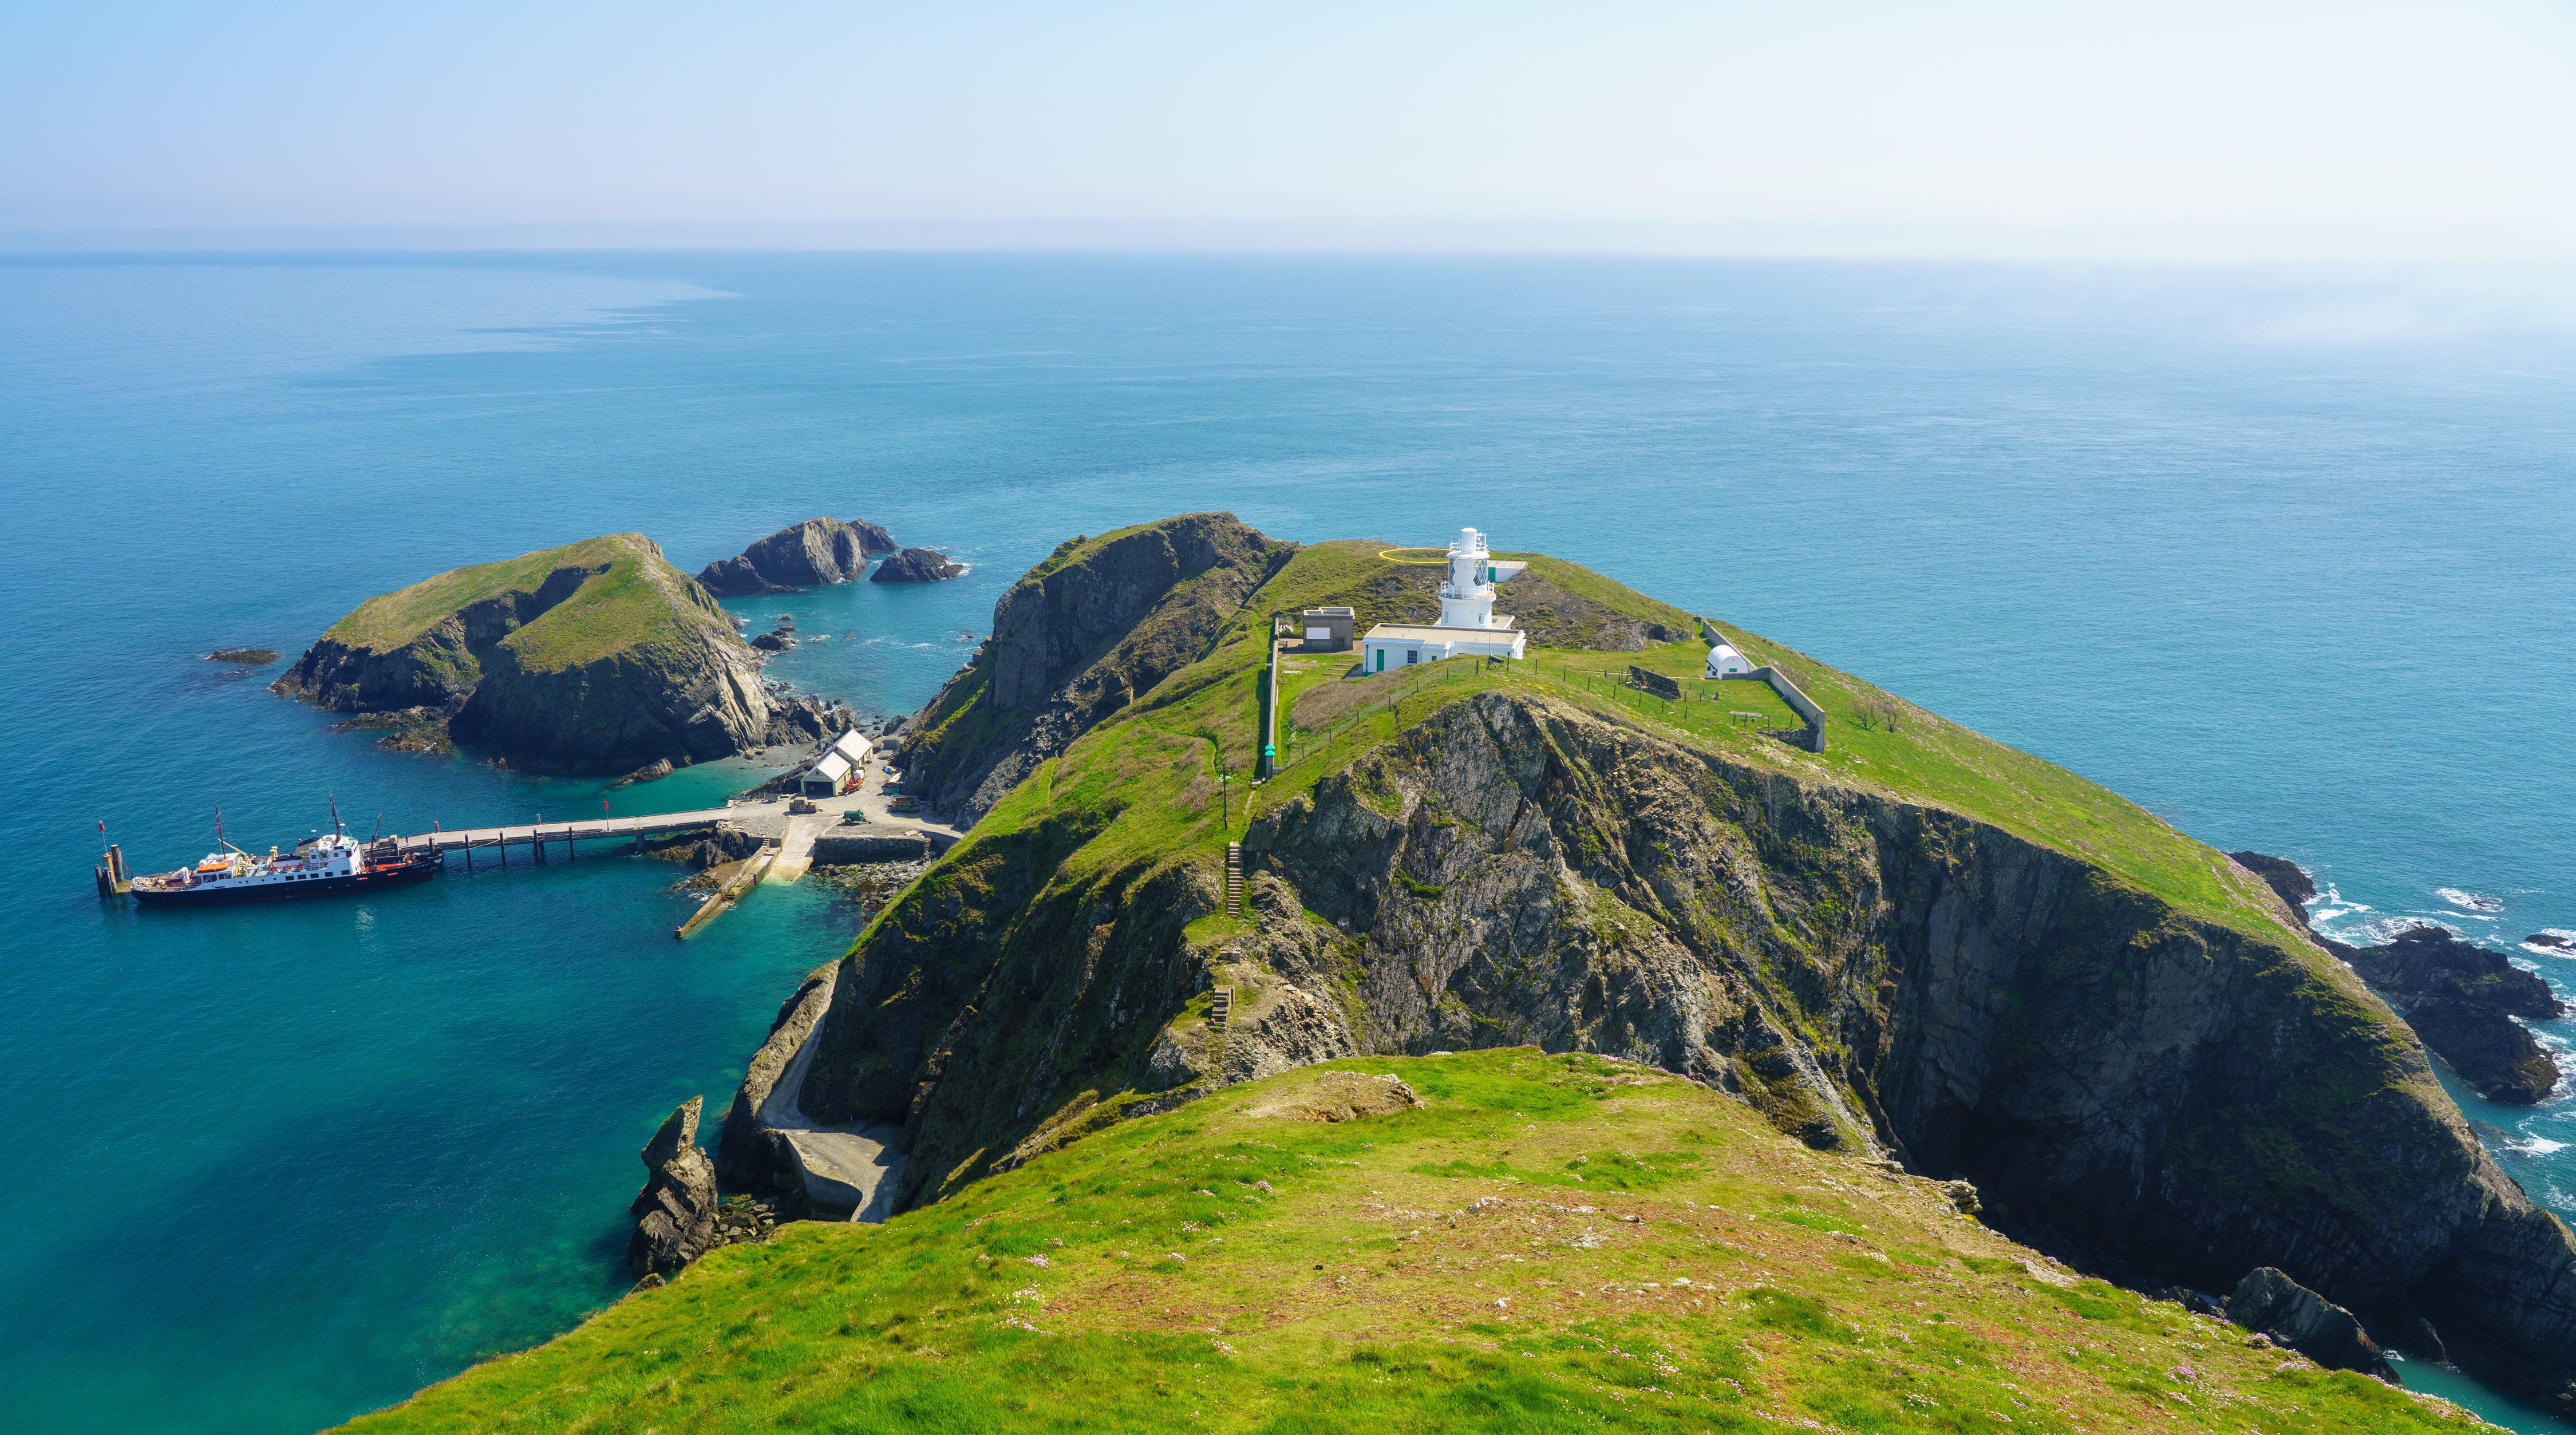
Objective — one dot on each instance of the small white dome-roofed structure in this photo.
(1724, 661)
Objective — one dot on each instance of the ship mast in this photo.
(219, 830)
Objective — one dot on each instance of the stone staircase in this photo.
(1220, 1014)
(1234, 879)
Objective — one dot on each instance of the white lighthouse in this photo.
(1468, 626)
(1467, 599)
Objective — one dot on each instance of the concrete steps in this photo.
(1234, 879)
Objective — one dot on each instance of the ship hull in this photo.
(419, 867)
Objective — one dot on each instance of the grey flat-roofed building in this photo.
(1326, 630)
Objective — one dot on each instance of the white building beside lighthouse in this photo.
(1468, 627)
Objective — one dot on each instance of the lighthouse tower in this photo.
(1467, 599)
(1468, 627)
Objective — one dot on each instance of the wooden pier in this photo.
(539, 837)
(787, 836)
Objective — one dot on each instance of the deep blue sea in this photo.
(2287, 557)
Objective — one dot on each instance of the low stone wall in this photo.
(843, 849)
(1656, 683)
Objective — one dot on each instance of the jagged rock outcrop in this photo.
(2460, 998)
(916, 565)
(801, 556)
(675, 1213)
(2287, 879)
(2276, 1306)
(1099, 623)
(598, 656)
(2157, 1096)
(747, 1155)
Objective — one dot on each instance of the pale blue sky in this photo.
(2175, 130)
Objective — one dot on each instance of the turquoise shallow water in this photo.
(2286, 560)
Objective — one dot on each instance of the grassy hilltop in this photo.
(1120, 1215)
(1150, 772)
(1546, 1243)
(626, 595)
(596, 656)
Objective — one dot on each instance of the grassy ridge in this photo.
(1875, 740)
(1548, 1243)
(632, 597)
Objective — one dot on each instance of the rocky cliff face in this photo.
(1084, 634)
(595, 657)
(806, 555)
(2459, 997)
(2155, 1096)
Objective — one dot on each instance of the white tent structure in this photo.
(1725, 662)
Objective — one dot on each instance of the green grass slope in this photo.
(631, 597)
(1154, 777)
(1546, 1243)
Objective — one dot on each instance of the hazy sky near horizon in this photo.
(2353, 130)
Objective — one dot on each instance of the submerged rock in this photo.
(2273, 1305)
(256, 657)
(804, 555)
(675, 1213)
(916, 565)
(658, 767)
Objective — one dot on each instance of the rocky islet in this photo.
(916, 565)
(595, 657)
(811, 554)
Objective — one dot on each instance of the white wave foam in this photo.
(2535, 1146)
(2377, 930)
(2472, 901)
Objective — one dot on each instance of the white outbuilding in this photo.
(1468, 627)
(1725, 662)
(841, 767)
(827, 778)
